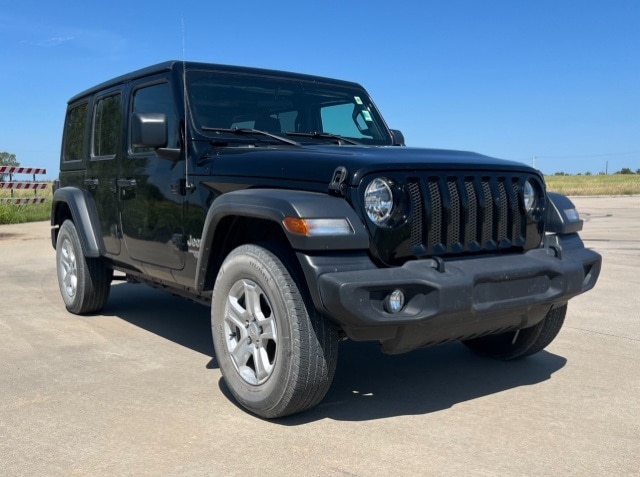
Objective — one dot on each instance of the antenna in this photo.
(187, 185)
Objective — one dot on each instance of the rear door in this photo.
(103, 165)
(151, 198)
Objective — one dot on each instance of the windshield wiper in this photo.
(251, 131)
(323, 135)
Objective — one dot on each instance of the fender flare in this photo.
(84, 216)
(274, 205)
(562, 216)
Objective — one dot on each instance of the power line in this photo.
(580, 156)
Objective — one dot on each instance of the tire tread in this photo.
(528, 342)
(94, 278)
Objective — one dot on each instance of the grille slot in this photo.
(503, 213)
(434, 214)
(416, 207)
(456, 214)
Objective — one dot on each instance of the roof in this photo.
(191, 65)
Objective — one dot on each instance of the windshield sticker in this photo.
(367, 115)
(358, 100)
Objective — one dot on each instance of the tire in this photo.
(84, 282)
(277, 355)
(521, 343)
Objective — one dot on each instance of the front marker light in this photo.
(572, 215)
(317, 227)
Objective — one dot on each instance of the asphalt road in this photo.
(135, 390)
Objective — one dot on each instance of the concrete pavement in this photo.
(135, 390)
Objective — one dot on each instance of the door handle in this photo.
(127, 184)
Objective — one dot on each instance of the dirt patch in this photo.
(8, 235)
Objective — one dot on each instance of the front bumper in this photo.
(451, 300)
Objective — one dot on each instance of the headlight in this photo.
(530, 196)
(378, 201)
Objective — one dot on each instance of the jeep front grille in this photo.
(457, 214)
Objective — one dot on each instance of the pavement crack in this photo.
(604, 334)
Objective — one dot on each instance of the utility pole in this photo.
(533, 162)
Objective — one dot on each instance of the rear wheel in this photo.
(521, 343)
(84, 282)
(276, 354)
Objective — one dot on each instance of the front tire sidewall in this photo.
(243, 264)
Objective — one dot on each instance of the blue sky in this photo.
(554, 79)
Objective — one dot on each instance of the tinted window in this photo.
(156, 99)
(106, 126)
(347, 120)
(74, 133)
(282, 105)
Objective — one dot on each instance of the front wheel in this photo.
(521, 343)
(276, 354)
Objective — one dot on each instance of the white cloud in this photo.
(54, 41)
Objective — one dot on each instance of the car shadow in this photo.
(371, 385)
(176, 319)
(368, 384)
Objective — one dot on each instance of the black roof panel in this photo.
(177, 64)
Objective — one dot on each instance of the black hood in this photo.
(317, 163)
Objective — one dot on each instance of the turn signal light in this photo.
(317, 227)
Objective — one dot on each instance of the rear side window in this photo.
(74, 133)
(106, 126)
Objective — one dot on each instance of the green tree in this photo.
(625, 170)
(7, 159)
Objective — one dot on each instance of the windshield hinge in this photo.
(338, 184)
(182, 187)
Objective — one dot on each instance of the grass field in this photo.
(15, 214)
(616, 184)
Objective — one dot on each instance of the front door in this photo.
(150, 192)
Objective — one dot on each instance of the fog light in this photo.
(394, 302)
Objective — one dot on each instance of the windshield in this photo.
(282, 105)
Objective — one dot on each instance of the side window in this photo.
(74, 133)
(106, 126)
(338, 119)
(156, 99)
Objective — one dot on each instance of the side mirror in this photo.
(148, 130)
(398, 137)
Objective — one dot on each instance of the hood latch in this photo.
(338, 184)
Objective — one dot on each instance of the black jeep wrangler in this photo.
(285, 203)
